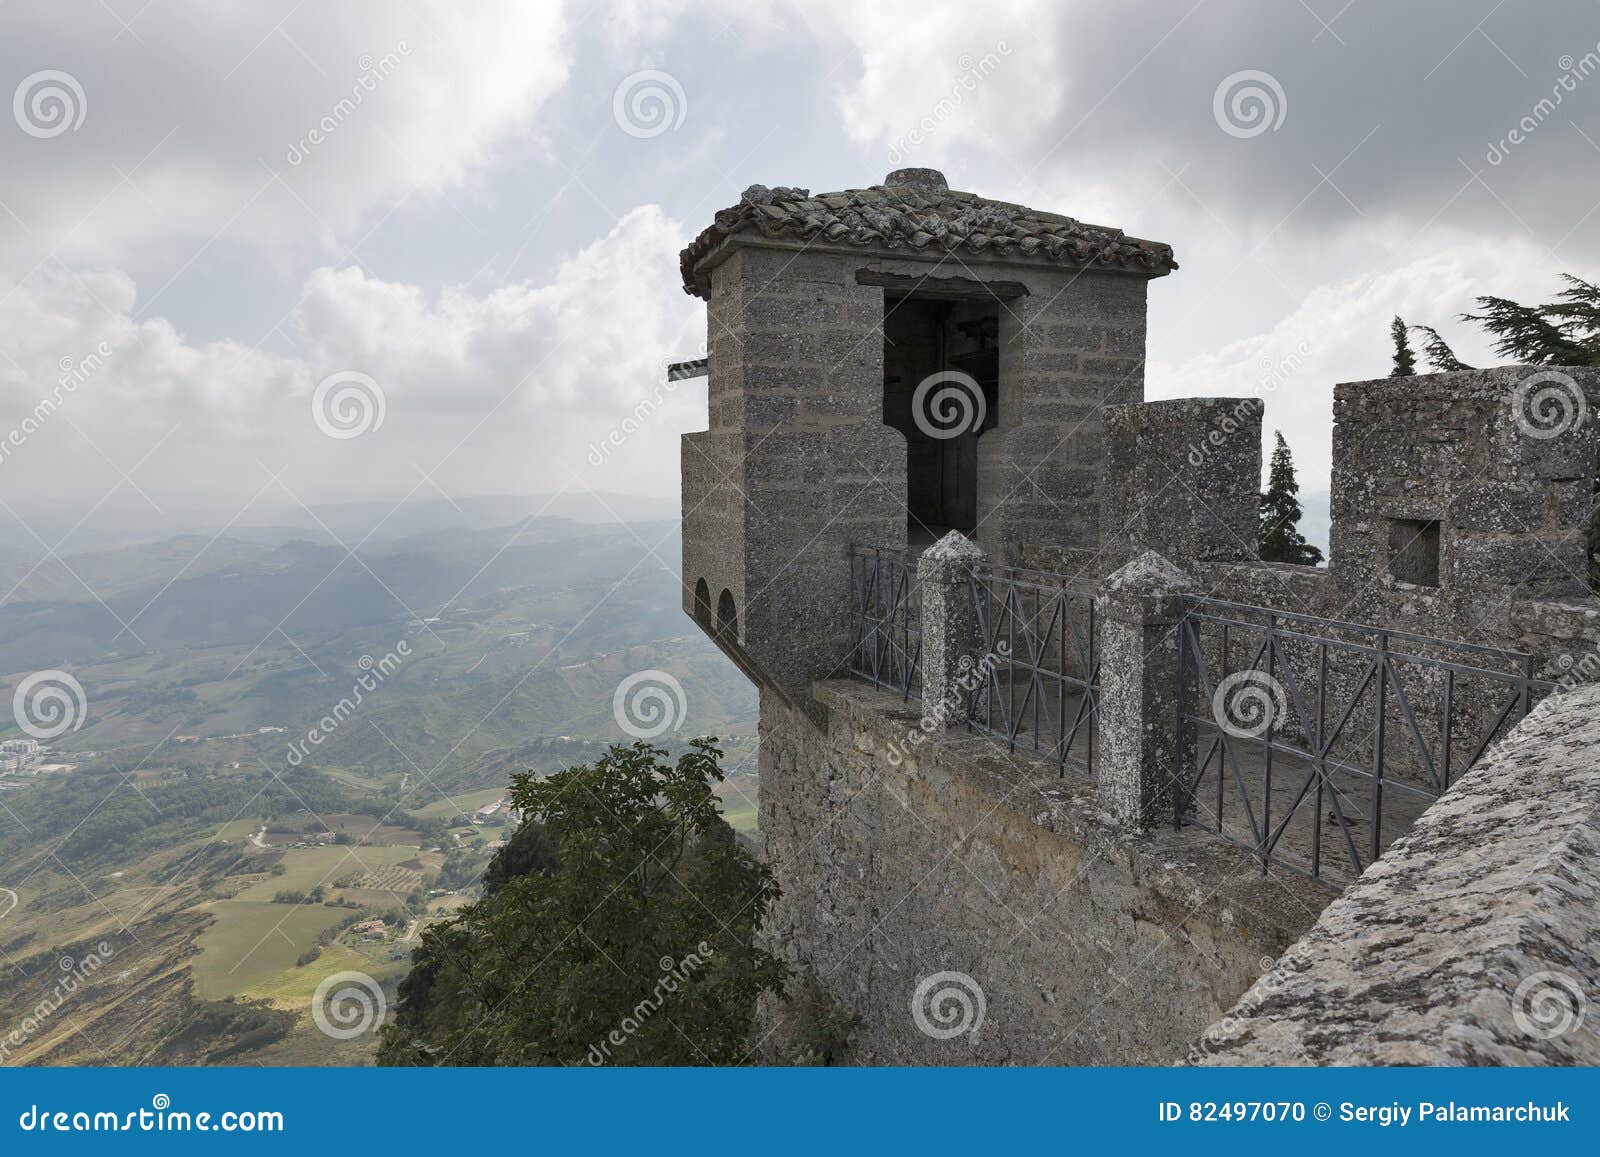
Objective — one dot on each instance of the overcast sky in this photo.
(466, 208)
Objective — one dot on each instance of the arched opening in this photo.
(941, 389)
(702, 604)
(727, 617)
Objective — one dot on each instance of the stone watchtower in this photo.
(887, 364)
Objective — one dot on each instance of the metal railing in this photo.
(886, 620)
(1315, 743)
(1038, 680)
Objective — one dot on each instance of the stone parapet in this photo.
(1474, 941)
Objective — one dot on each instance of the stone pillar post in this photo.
(1139, 752)
(950, 641)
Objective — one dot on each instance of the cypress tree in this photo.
(1405, 363)
(1280, 537)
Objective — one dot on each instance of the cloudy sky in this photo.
(473, 209)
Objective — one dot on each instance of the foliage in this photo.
(1279, 536)
(1440, 356)
(1563, 332)
(617, 926)
(1405, 362)
(817, 1030)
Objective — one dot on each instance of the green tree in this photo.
(1405, 362)
(617, 926)
(1280, 537)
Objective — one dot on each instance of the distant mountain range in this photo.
(132, 523)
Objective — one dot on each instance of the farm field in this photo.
(252, 941)
(305, 868)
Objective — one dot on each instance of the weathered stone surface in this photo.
(1184, 478)
(1138, 612)
(1472, 941)
(905, 853)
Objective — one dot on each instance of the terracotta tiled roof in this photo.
(915, 209)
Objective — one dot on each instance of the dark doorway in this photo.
(941, 376)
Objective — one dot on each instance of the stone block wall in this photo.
(1183, 479)
(796, 464)
(1498, 465)
(904, 858)
(1069, 349)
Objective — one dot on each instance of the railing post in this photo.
(1142, 743)
(950, 637)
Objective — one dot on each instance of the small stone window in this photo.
(1414, 551)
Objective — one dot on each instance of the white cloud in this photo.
(1340, 333)
(934, 81)
(552, 366)
(191, 111)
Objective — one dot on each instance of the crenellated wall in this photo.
(1077, 925)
